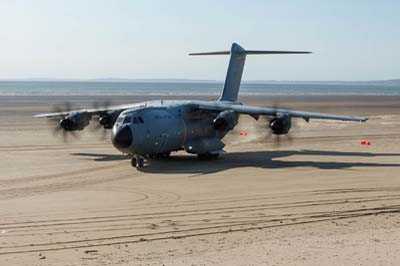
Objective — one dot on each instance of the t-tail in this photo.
(235, 69)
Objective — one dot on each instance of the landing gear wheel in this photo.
(137, 162)
(133, 162)
(140, 163)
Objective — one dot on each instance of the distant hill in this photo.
(156, 80)
(390, 82)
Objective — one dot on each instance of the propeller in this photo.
(277, 139)
(58, 120)
(98, 125)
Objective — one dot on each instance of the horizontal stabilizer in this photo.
(250, 52)
(235, 69)
(213, 53)
(274, 52)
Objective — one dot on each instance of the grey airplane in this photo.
(154, 129)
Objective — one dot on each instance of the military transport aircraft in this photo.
(156, 128)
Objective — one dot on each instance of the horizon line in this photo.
(186, 79)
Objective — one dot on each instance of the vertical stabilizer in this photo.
(235, 69)
(234, 75)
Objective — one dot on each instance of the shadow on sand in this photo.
(100, 157)
(261, 159)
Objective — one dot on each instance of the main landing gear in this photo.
(137, 161)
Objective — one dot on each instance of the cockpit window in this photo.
(127, 120)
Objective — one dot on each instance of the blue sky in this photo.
(351, 40)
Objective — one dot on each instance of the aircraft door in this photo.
(161, 142)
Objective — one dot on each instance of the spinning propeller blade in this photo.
(58, 129)
(97, 126)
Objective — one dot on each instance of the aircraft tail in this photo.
(235, 69)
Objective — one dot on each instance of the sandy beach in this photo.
(320, 198)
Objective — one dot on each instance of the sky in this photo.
(350, 40)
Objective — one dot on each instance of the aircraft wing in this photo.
(255, 111)
(92, 111)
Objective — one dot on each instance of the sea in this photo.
(101, 88)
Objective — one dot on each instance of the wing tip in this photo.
(360, 119)
(44, 115)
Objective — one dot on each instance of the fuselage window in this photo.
(140, 119)
(127, 120)
(135, 120)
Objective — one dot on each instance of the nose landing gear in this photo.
(137, 161)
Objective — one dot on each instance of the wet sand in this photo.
(320, 198)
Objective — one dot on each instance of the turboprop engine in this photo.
(108, 119)
(75, 121)
(280, 124)
(226, 120)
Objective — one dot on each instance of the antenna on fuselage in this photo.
(233, 78)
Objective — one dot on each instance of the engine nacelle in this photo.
(226, 120)
(280, 124)
(108, 119)
(75, 121)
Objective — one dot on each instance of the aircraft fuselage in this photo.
(158, 128)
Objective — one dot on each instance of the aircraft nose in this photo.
(122, 138)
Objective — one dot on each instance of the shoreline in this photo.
(258, 198)
(40, 99)
(347, 105)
